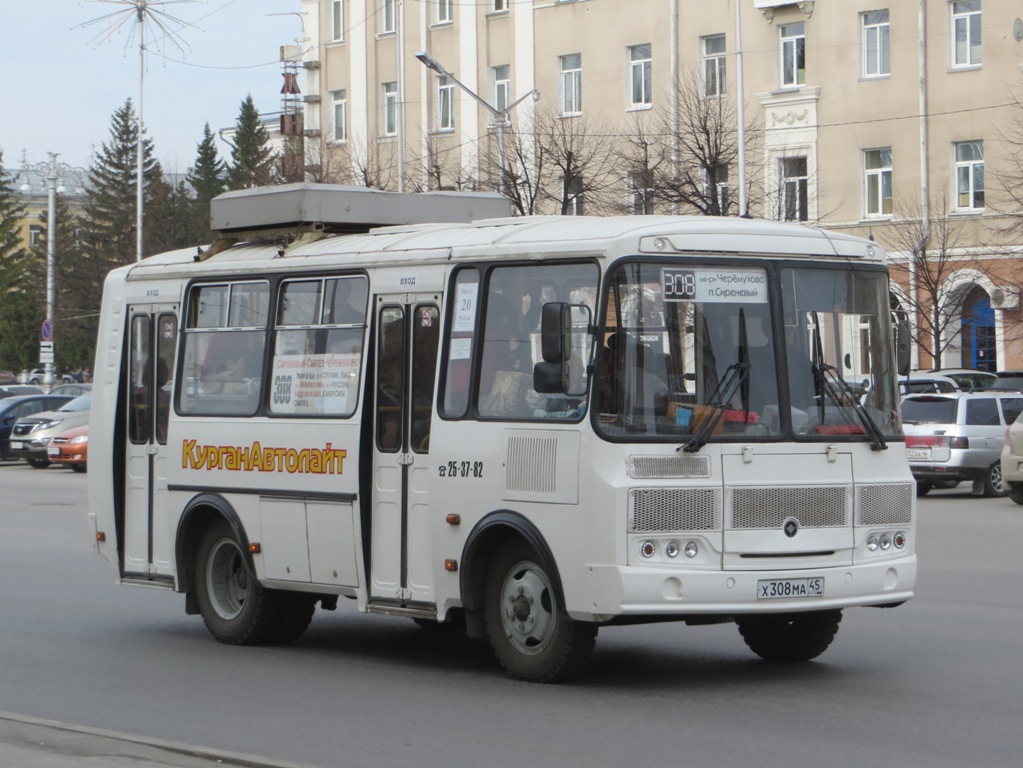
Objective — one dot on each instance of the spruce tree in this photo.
(207, 178)
(21, 296)
(253, 163)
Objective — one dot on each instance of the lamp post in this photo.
(53, 171)
(501, 120)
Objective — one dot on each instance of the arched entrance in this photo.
(978, 332)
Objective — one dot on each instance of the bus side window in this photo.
(462, 311)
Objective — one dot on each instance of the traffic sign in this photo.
(47, 330)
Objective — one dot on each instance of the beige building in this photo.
(885, 118)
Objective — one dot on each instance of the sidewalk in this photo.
(28, 742)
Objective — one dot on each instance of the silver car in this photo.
(31, 435)
(958, 436)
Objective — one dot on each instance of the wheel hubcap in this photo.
(527, 608)
(227, 579)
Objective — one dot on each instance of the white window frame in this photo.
(641, 192)
(640, 72)
(445, 12)
(714, 67)
(340, 98)
(966, 26)
(720, 189)
(792, 51)
(797, 185)
(501, 77)
(388, 13)
(876, 52)
(390, 109)
(571, 84)
(969, 175)
(445, 103)
(877, 182)
(337, 20)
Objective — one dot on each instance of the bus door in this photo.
(408, 332)
(148, 385)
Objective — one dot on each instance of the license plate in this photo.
(17, 445)
(53, 450)
(783, 589)
(917, 454)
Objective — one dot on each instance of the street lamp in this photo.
(501, 120)
(53, 172)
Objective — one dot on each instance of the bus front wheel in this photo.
(790, 636)
(236, 609)
(532, 636)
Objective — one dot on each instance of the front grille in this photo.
(812, 507)
(657, 467)
(885, 504)
(674, 509)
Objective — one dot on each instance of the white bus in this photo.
(535, 426)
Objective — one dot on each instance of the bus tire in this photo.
(237, 610)
(532, 636)
(790, 637)
(1015, 491)
(297, 609)
(923, 488)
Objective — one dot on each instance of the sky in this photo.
(60, 82)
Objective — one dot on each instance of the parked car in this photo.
(18, 407)
(30, 438)
(13, 390)
(8, 377)
(1010, 380)
(37, 376)
(955, 436)
(965, 378)
(70, 448)
(71, 389)
(923, 382)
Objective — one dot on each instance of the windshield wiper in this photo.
(736, 377)
(826, 374)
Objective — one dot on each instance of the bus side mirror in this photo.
(903, 346)
(556, 332)
(549, 378)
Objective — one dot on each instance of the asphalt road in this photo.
(935, 683)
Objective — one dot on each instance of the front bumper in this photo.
(637, 591)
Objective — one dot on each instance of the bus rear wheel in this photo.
(790, 637)
(532, 636)
(235, 608)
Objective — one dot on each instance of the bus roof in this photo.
(524, 237)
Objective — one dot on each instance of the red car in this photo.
(70, 448)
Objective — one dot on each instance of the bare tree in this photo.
(700, 151)
(932, 246)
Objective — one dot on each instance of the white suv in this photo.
(958, 436)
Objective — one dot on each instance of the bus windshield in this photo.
(705, 352)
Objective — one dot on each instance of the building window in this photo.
(641, 192)
(877, 170)
(714, 65)
(793, 193)
(445, 103)
(35, 234)
(793, 55)
(876, 44)
(571, 84)
(574, 196)
(387, 17)
(639, 72)
(715, 189)
(390, 109)
(337, 20)
(340, 115)
(444, 11)
(499, 5)
(966, 33)
(969, 160)
(502, 86)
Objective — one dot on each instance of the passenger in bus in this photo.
(506, 376)
(347, 304)
(235, 374)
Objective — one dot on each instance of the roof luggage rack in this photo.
(305, 212)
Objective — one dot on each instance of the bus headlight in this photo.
(886, 541)
(691, 549)
(671, 550)
(872, 543)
